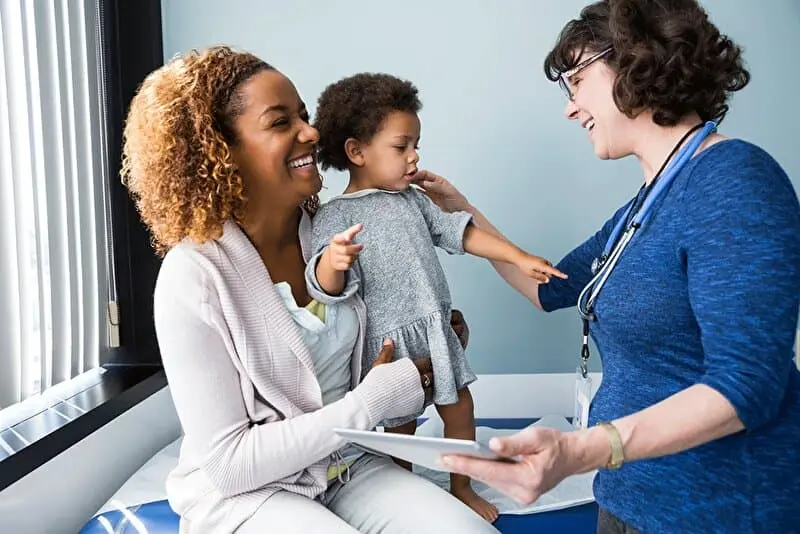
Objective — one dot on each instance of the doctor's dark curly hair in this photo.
(668, 56)
(177, 162)
(356, 107)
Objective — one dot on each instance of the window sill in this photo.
(49, 433)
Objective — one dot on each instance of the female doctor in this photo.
(690, 291)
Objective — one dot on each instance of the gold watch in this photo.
(617, 453)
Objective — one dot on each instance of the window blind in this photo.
(54, 269)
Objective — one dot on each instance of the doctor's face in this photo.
(590, 88)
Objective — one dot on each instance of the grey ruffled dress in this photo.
(401, 279)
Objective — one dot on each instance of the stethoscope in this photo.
(627, 227)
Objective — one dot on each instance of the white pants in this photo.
(380, 498)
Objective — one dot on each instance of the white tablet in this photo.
(419, 450)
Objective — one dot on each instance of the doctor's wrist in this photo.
(591, 449)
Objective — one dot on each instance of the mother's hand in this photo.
(423, 365)
(441, 191)
(545, 458)
(460, 327)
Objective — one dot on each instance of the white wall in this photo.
(63, 494)
(493, 124)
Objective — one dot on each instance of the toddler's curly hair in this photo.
(355, 107)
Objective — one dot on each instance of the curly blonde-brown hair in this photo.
(176, 157)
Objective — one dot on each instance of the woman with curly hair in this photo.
(221, 162)
(690, 291)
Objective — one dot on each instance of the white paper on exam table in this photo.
(572, 491)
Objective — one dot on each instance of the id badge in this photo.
(583, 395)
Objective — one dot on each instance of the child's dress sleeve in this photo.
(328, 221)
(447, 229)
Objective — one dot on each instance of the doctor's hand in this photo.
(441, 191)
(545, 457)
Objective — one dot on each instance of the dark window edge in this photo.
(133, 48)
(124, 388)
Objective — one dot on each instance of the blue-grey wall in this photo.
(494, 125)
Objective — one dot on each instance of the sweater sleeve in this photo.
(328, 221)
(242, 455)
(559, 293)
(742, 254)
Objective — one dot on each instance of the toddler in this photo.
(381, 233)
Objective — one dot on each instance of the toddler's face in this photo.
(390, 158)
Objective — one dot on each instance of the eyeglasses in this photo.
(564, 77)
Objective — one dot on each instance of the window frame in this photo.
(133, 48)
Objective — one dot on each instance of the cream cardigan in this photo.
(244, 386)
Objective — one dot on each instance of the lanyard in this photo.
(634, 218)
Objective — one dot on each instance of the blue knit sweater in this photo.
(706, 293)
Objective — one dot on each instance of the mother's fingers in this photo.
(386, 354)
(424, 365)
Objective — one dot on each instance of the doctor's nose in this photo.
(571, 110)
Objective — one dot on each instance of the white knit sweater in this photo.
(244, 385)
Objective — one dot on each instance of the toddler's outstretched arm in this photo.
(479, 242)
(339, 256)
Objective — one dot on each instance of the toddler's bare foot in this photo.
(483, 508)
